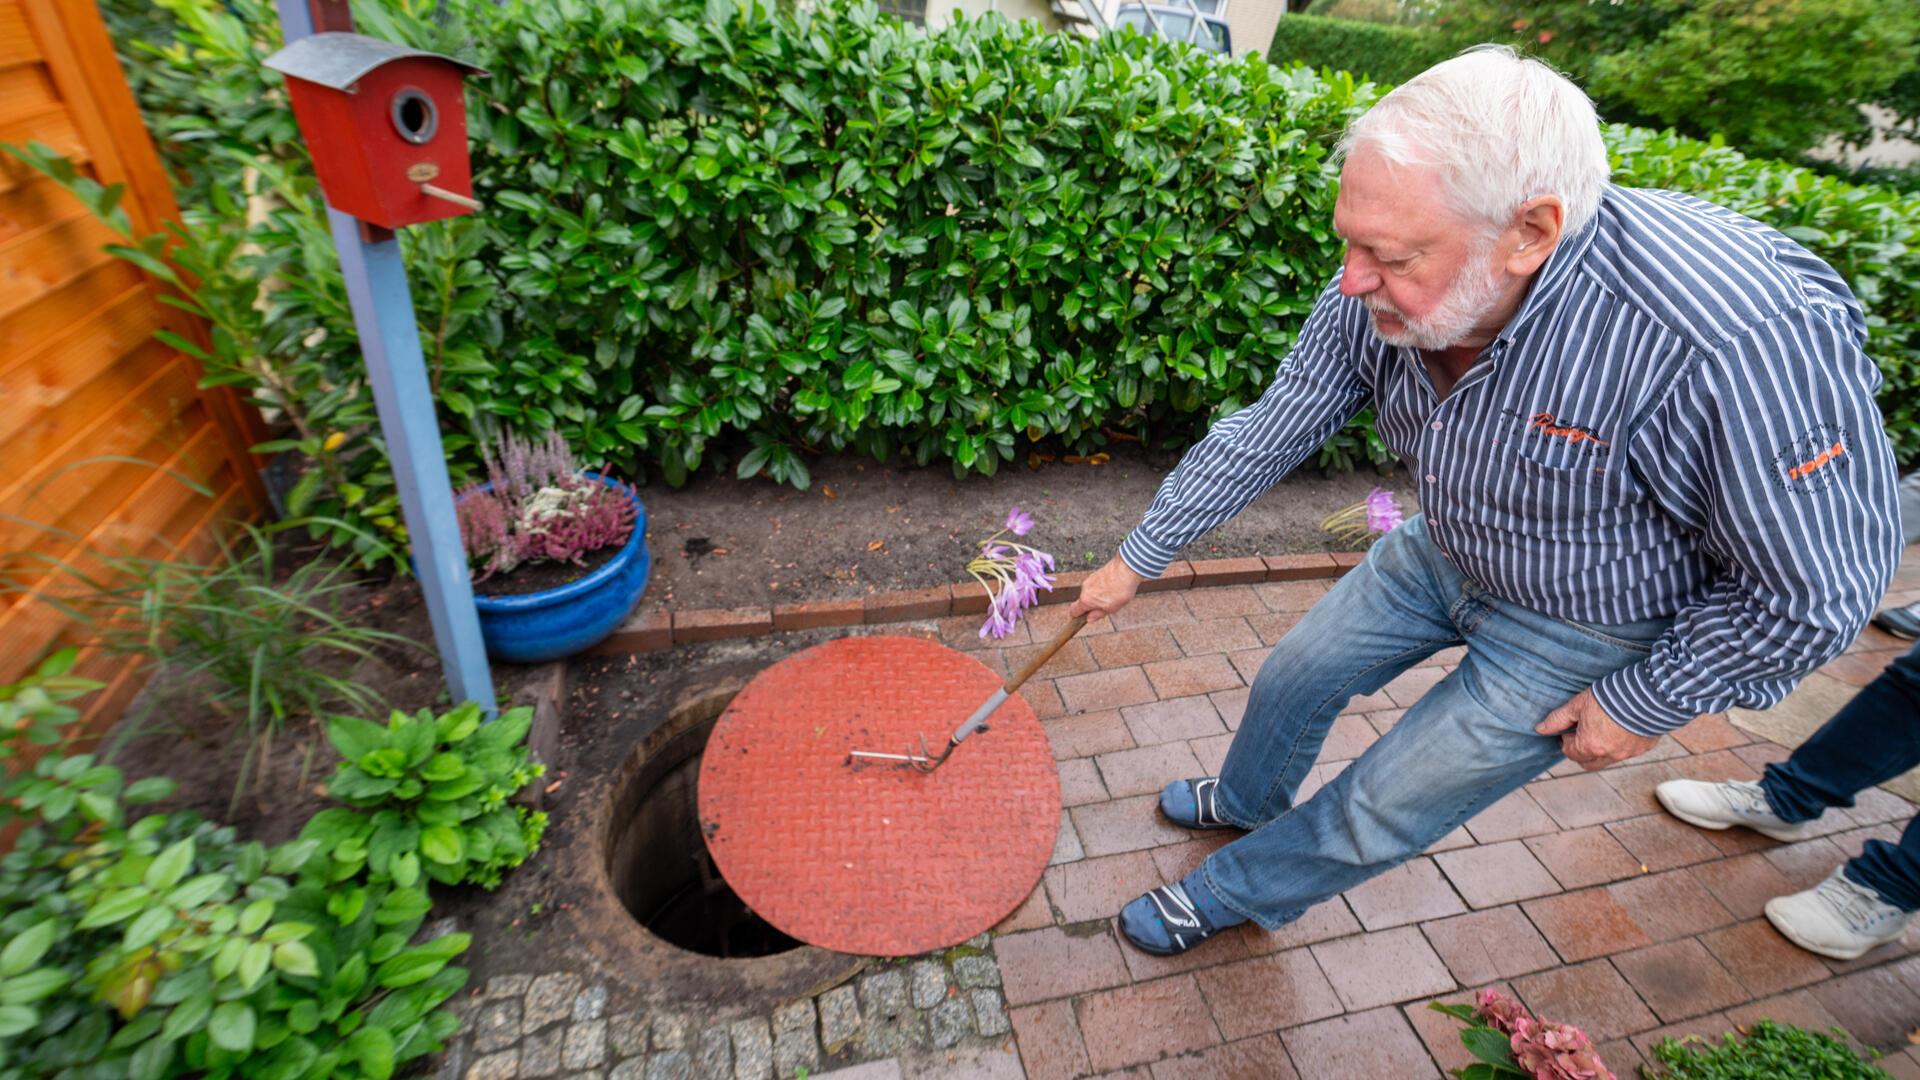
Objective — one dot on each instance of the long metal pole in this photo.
(376, 281)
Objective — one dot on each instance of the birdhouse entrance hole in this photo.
(414, 116)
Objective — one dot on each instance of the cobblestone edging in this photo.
(557, 1025)
(663, 629)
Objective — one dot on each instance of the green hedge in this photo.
(1383, 53)
(729, 235)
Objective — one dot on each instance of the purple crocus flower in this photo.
(1019, 521)
(1383, 511)
(1000, 617)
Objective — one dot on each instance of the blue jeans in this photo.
(1466, 743)
(1874, 738)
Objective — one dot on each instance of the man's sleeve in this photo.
(1315, 392)
(1773, 448)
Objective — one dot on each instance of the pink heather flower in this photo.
(1383, 511)
(1019, 522)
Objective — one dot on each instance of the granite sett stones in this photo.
(990, 1013)
(950, 1021)
(752, 1049)
(549, 1000)
(974, 972)
(839, 1018)
(929, 983)
(585, 1046)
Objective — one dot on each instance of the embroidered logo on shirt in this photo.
(1554, 427)
(1815, 459)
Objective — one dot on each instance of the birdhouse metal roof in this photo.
(338, 61)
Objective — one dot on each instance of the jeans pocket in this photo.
(1633, 637)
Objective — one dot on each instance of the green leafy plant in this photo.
(1768, 1050)
(1775, 77)
(429, 795)
(34, 709)
(169, 947)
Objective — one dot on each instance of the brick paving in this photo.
(1577, 894)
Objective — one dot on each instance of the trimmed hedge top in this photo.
(1381, 52)
(724, 233)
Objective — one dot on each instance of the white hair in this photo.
(1501, 129)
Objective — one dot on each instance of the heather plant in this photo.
(1012, 574)
(538, 506)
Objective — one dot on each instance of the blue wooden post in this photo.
(376, 281)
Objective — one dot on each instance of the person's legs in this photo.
(1891, 870)
(1904, 621)
(1874, 738)
(1465, 744)
(1384, 616)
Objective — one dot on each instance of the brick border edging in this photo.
(664, 629)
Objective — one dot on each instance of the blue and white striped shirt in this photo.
(1678, 422)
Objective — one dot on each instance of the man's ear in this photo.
(1534, 235)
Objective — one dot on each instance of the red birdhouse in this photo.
(386, 125)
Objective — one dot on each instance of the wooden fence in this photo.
(97, 417)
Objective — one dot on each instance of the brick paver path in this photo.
(1576, 893)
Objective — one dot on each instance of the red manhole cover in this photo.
(877, 859)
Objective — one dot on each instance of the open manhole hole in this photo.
(658, 912)
(665, 877)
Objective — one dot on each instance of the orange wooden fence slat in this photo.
(43, 378)
(41, 321)
(82, 379)
(47, 258)
(17, 45)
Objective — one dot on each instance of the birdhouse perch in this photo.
(386, 126)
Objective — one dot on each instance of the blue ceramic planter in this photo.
(536, 627)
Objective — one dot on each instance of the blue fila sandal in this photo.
(1190, 804)
(1174, 918)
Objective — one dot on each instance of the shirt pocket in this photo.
(1568, 493)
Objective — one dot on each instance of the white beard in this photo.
(1473, 294)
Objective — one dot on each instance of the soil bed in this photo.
(545, 574)
(864, 527)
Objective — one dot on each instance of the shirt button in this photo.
(1432, 479)
(1437, 425)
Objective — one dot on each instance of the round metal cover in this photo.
(877, 858)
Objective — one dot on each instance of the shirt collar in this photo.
(1552, 278)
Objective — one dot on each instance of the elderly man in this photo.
(1653, 479)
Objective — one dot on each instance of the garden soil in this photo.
(864, 527)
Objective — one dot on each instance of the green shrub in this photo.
(1775, 78)
(1381, 52)
(169, 947)
(1768, 1052)
(435, 792)
(720, 234)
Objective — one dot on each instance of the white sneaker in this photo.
(1837, 918)
(1722, 805)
